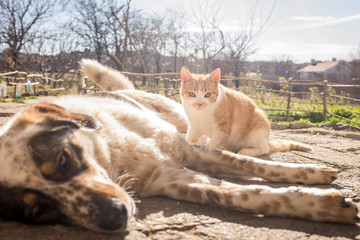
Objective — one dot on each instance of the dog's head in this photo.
(49, 172)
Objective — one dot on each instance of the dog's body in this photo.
(77, 161)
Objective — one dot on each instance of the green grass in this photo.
(265, 100)
(18, 100)
(31, 97)
(313, 103)
(22, 99)
(346, 111)
(352, 113)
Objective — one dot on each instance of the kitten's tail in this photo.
(106, 78)
(281, 145)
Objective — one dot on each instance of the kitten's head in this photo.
(199, 91)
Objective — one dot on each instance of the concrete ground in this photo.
(161, 218)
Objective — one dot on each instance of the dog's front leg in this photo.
(308, 203)
(205, 159)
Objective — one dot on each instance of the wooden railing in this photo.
(22, 80)
(168, 84)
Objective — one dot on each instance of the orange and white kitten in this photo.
(229, 118)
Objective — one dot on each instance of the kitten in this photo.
(229, 118)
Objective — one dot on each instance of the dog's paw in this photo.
(311, 174)
(318, 174)
(334, 207)
(328, 174)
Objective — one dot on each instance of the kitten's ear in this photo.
(185, 75)
(215, 75)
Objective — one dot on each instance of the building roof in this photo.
(319, 67)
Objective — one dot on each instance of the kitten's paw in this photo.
(203, 140)
(251, 152)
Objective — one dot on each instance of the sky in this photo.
(298, 30)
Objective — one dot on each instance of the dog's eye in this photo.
(43, 213)
(207, 95)
(64, 162)
(191, 94)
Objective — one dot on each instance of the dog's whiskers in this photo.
(126, 181)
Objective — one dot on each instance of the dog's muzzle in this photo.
(100, 205)
(113, 215)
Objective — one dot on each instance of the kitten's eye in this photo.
(191, 94)
(207, 95)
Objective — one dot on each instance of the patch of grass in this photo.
(349, 112)
(32, 97)
(314, 132)
(18, 100)
(22, 99)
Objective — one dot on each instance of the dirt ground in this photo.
(161, 218)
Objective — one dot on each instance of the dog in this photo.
(80, 159)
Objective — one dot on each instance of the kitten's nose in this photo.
(199, 104)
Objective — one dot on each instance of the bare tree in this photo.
(20, 20)
(242, 43)
(158, 39)
(117, 40)
(208, 39)
(141, 38)
(62, 56)
(176, 33)
(284, 66)
(240, 46)
(131, 22)
(108, 28)
(355, 65)
(88, 22)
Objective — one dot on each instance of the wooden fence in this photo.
(19, 80)
(169, 85)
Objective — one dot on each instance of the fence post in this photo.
(288, 98)
(166, 86)
(325, 90)
(157, 80)
(15, 88)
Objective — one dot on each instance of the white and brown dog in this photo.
(76, 160)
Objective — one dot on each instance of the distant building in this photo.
(333, 71)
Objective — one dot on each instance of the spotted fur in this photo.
(79, 161)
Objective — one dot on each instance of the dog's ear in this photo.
(54, 116)
(28, 206)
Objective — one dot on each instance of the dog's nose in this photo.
(113, 215)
